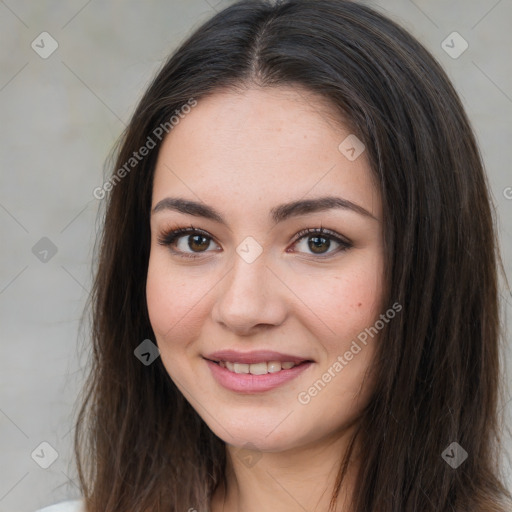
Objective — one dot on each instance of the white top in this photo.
(64, 506)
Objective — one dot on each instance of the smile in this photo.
(255, 377)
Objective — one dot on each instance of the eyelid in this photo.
(168, 237)
(321, 231)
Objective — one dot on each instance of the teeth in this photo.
(256, 368)
(241, 368)
(274, 366)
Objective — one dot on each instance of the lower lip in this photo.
(249, 383)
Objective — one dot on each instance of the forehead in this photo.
(264, 144)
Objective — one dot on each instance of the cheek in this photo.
(345, 302)
(174, 301)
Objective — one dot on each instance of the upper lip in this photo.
(256, 356)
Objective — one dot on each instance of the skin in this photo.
(244, 153)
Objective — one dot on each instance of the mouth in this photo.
(255, 372)
(261, 368)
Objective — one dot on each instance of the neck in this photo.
(289, 481)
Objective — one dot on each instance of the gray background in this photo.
(60, 117)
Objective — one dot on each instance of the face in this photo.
(251, 284)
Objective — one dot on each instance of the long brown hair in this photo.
(139, 444)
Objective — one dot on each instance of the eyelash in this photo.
(167, 238)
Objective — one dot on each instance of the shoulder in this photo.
(64, 506)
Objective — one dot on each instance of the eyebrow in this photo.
(278, 214)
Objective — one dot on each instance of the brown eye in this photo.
(317, 244)
(319, 241)
(186, 242)
(198, 242)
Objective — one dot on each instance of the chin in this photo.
(255, 435)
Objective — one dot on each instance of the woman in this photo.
(296, 304)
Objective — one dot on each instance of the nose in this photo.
(250, 298)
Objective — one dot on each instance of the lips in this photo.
(254, 383)
(255, 372)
